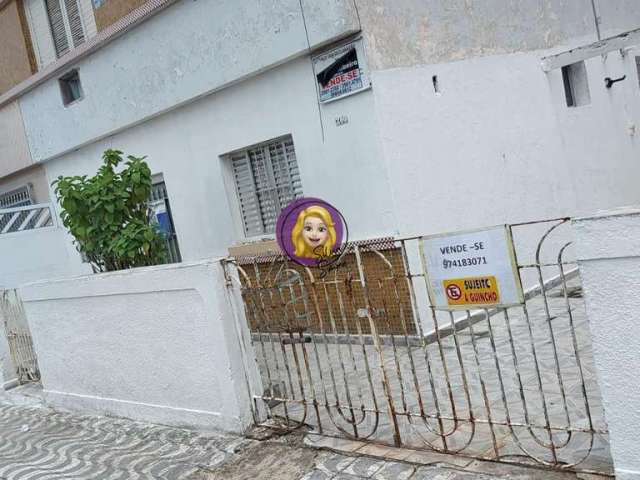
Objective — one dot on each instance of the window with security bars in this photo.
(65, 21)
(267, 179)
(159, 203)
(19, 197)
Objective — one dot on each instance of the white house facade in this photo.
(455, 124)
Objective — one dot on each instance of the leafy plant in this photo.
(108, 214)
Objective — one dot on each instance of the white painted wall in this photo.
(498, 143)
(608, 247)
(186, 51)
(156, 344)
(14, 150)
(39, 254)
(185, 145)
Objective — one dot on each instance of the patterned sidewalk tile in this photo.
(39, 443)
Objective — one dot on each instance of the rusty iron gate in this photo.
(16, 329)
(358, 352)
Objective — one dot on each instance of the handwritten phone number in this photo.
(464, 262)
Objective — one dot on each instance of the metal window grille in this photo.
(266, 179)
(66, 24)
(19, 197)
(159, 194)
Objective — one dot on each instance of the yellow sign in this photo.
(472, 290)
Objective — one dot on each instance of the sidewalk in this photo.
(40, 443)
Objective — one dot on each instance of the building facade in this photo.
(440, 117)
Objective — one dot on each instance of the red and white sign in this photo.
(340, 71)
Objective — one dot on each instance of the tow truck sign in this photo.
(472, 269)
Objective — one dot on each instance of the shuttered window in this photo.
(266, 179)
(66, 24)
(58, 30)
(75, 22)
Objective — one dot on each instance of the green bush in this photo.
(108, 214)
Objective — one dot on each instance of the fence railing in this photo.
(360, 352)
(29, 217)
(16, 329)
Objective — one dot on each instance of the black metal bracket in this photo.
(608, 82)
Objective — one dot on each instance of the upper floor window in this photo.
(66, 24)
(58, 26)
(19, 197)
(267, 179)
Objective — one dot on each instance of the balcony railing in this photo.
(30, 217)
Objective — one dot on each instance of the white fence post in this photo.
(608, 250)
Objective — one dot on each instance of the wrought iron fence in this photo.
(16, 329)
(360, 353)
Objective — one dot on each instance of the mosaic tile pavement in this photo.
(39, 443)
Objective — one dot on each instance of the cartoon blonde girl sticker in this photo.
(314, 233)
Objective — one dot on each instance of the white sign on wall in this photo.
(341, 71)
(472, 269)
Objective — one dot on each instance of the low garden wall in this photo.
(158, 344)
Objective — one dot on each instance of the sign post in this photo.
(472, 269)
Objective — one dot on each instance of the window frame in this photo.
(160, 193)
(63, 82)
(71, 45)
(572, 74)
(26, 189)
(233, 192)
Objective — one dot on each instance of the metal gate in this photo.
(357, 352)
(18, 337)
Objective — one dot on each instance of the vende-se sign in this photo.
(472, 269)
(341, 72)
